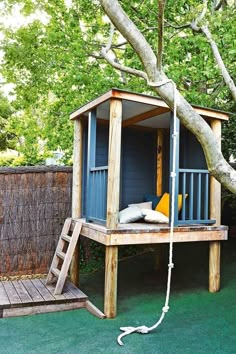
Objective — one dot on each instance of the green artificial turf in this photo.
(198, 322)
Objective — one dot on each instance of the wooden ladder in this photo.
(63, 256)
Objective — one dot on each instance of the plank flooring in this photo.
(31, 296)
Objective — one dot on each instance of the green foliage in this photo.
(6, 137)
(229, 137)
(92, 254)
(228, 208)
(53, 63)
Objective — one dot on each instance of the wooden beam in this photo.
(94, 310)
(215, 213)
(77, 170)
(110, 290)
(113, 185)
(77, 193)
(137, 238)
(91, 105)
(159, 175)
(33, 310)
(140, 98)
(207, 112)
(134, 234)
(143, 116)
(155, 101)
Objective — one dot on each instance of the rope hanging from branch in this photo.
(144, 329)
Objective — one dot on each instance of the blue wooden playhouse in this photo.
(122, 155)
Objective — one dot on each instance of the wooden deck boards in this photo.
(143, 233)
(31, 296)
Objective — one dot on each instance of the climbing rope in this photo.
(144, 329)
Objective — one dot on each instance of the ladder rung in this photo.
(56, 272)
(61, 255)
(66, 238)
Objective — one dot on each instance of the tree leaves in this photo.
(53, 66)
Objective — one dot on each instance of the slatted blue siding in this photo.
(138, 165)
(138, 173)
(98, 194)
(195, 209)
(101, 158)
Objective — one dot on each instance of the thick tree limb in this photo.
(205, 30)
(115, 63)
(228, 80)
(217, 165)
(161, 9)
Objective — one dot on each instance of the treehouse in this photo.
(123, 151)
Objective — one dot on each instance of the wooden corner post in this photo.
(77, 192)
(215, 213)
(113, 200)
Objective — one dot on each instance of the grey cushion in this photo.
(144, 205)
(130, 214)
(155, 216)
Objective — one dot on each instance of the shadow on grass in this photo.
(137, 275)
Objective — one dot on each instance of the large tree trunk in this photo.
(217, 165)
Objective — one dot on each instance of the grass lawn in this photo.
(198, 322)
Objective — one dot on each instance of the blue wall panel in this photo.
(102, 145)
(191, 153)
(138, 160)
(138, 165)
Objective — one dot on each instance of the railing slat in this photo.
(196, 209)
(183, 196)
(98, 193)
(206, 197)
(191, 196)
(199, 192)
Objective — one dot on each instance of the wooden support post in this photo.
(113, 185)
(77, 193)
(214, 266)
(110, 292)
(159, 187)
(215, 213)
(113, 199)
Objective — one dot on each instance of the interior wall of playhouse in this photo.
(139, 160)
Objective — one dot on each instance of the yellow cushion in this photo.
(163, 205)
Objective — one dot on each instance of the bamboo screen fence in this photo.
(34, 202)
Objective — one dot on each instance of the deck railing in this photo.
(194, 187)
(97, 206)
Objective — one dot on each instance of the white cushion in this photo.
(154, 216)
(130, 214)
(145, 205)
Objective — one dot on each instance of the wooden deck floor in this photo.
(144, 233)
(32, 296)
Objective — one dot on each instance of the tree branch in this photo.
(205, 30)
(217, 165)
(228, 80)
(161, 9)
(116, 64)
